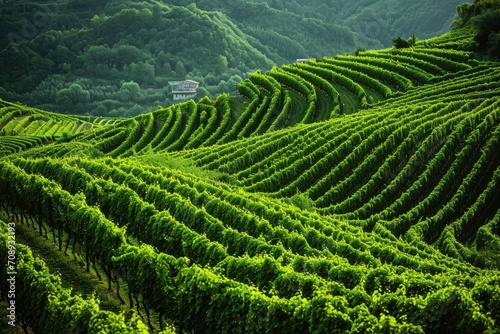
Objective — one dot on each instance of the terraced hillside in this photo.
(351, 194)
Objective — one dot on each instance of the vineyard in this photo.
(348, 194)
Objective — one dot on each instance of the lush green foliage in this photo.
(484, 15)
(115, 58)
(355, 194)
(47, 307)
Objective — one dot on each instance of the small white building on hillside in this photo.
(183, 90)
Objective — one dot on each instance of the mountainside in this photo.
(101, 48)
(347, 24)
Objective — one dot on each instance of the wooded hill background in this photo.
(115, 58)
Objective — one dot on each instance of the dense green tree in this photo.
(22, 68)
(464, 12)
(100, 111)
(484, 15)
(201, 92)
(62, 55)
(97, 54)
(130, 91)
(97, 20)
(126, 54)
(73, 96)
(180, 69)
(127, 21)
(220, 64)
(142, 72)
(482, 6)
(400, 43)
(488, 25)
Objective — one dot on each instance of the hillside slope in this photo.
(350, 194)
(103, 47)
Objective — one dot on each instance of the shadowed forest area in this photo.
(115, 58)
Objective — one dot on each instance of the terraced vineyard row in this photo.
(349, 194)
(293, 94)
(62, 312)
(210, 225)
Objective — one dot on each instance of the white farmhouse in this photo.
(183, 90)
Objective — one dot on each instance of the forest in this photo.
(115, 58)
